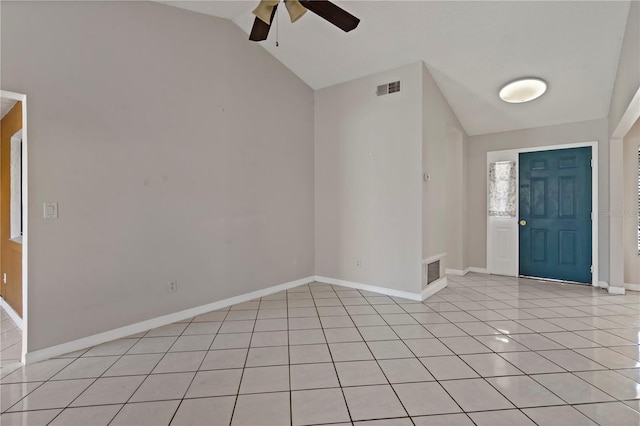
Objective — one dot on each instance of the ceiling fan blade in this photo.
(260, 29)
(332, 13)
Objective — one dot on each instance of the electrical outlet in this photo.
(358, 263)
(172, 287)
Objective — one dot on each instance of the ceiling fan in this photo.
(266, 10)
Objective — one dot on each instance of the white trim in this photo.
(603, 284)
(25, 225)
(118, 333)
(477, 270)
(632, 287)
(616, 202)
(434, 287)
(458, 272)
(594, 197)
(629, 118)
(616, 290)
(434, 258)
(11, 312)
(372, 288)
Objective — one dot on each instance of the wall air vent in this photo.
(385, 89)
(433, 271)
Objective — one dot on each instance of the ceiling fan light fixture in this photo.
(295, 9)
(523, 90)
(264, 11)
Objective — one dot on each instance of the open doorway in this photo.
(13, 211)
(631, 200)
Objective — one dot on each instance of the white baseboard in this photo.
(632, 287)
(477, 270)
(616, 290)
(602, 284)
(11, 312)
(434, 287)
(457, 272)
(118, 333)
(372, 288)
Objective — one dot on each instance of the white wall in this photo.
(477, 148)
(176, 149)
(630, 211)
(443, 143)
(368, 181)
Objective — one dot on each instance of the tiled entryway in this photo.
(486, 350)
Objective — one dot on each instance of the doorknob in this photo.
(523, 222)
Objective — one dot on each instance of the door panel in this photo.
(555, 214)
(10, 251)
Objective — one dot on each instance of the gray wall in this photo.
(443, 204)
(368, 153)
(478, 146)
(628, 75)
(176, 148)
(630, 211)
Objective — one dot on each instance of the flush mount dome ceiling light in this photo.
(523, 90)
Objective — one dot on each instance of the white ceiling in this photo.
(471, 48)
(5, 106)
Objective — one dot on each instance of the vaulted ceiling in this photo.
(471, 48)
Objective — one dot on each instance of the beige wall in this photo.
(443, 201)
(176, 149)
(630, 211)
(628, 75)
(477, 148)
(367, 181)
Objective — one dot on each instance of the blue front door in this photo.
(555, 214)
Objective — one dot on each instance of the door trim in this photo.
(513, 155)
(25, 227)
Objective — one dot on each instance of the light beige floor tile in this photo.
(109, 390)
(209, 327)
(178, 362)
(269, 338)
(215, 383)
(556, 416)
(355, 351)
(427, 347)
(341, 335)
(29, 418)
(158, 387)
(448, 367)
(149, 345)
(175, 329)
(57, 394)
(37, 372)
(425, 398)
(13, 392)
(264, 408)
(489, 365)
(443, 420)
(205, 411)
(524, 392)
(82, 416)
(373, 402)
(262, 357)
(130, 365)
(318, 406)
(224, 358)
(389, 349)
(200, 342)
(116, 347)
(359, 373)
(614, 384)
(405, 370)
(614, 413)
(571, 388)
(501, 418)
(146, 414)
(466, 392)
(265, 379)
(313, 376)
(306, 354)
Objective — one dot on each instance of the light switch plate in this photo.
(50, 210)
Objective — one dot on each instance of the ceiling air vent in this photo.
(385, 89)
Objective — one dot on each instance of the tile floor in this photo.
(486, 351)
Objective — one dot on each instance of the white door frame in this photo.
(513, 155)
(616, 194)
(25, 206)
